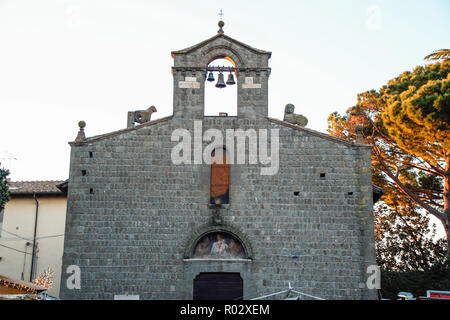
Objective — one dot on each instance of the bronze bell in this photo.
(220, 83)
(210, 77)
(230, 80)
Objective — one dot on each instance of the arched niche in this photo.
(218, 243)
(220, 177)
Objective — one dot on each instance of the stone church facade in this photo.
(139, 224)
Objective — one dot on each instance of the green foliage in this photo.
(405, 240)
(416, 282)
(416, 111)
(4, 187)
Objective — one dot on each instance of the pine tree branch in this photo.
(404, 189)
(438, 54)
(429, 170)
(437, 169)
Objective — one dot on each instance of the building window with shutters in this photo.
(220, 177)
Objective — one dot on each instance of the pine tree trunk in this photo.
(447, 231)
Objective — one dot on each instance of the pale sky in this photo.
(92, 60)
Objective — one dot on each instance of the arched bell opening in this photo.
(221, 87)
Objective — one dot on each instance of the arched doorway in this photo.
(218, 286)
(218, 264)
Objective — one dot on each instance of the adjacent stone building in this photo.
(32, 231)
(140, 223)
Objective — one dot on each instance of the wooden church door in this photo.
(218, 286)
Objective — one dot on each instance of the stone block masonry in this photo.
(131, 233)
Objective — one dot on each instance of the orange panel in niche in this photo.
(220, 177)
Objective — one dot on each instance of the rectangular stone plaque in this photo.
(190, 83)
(248, 84)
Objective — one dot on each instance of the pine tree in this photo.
(407, 122)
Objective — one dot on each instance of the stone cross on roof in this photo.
(221, 23)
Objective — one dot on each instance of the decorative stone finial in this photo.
(221, 24)
(81, 136)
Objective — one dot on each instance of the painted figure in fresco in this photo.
(203, 248)
(220, 246)
(235, 248)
